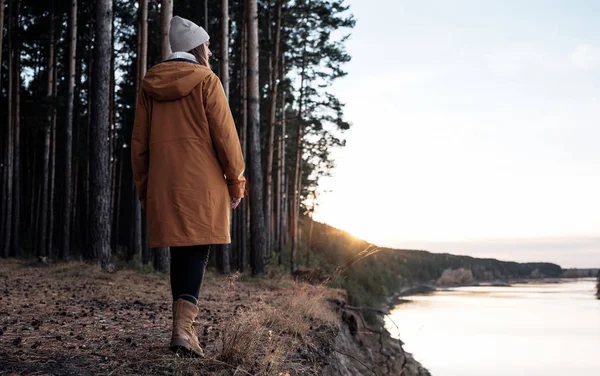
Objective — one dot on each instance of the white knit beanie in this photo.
(184, 35)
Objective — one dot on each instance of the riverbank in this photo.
(76, 319)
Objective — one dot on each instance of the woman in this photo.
(187, 167)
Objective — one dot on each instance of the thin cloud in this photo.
(585, 56)
(516, 60)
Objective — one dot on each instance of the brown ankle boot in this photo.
(184, 338)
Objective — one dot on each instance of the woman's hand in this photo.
(235, 202)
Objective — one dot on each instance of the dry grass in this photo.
(71, 318)
(261, 337)
(301, 308)
(242, 339)
(250, 346)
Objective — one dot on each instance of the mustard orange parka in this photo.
(186, 156)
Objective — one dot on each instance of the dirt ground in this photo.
(75, 319)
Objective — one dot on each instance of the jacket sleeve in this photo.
(140, 157)
(224, 135)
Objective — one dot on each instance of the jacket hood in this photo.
(172, 80)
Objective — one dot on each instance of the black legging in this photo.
(187, 271)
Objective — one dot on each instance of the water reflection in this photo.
(528, 329)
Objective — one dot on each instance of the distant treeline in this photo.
(580, 273)
(384, 271)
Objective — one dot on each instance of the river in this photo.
(522, 330)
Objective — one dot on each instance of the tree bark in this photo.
(1, 37)
(112, 131)
(143, 57)
(206, 15)
(295, 205)
(271, 128)
(281, 181)
(16, 225)
(166, 15)
(254, 158)
(32, 203)
(161, 259)
(224, 250)
(161, 255)
(118, 205)
(52, 172)
(99, 179)
(65, 249)
(138, 244)
(43, 243)
(225, 46)
(87, 214)
(243, 224)
(7, 215)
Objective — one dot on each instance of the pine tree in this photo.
(224, 250)
(3, 177)
(1, 37)
(166, 15)
(68, 135)
(16, 230)
(43, 249)
(140, 252)
(317, 58)
(99, 134)
(271, 126)
(257, 223)
(7, 215)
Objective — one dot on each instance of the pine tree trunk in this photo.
(295, 204)
(7, 215)
(43, 249)
(37, 220)
(243, 225)
(87, 214)
(140, 251)
(257, 223)
(32, 206)
(166, 15)
(137, 229)
(65, 249)
(161, 255)
(16, 225)
(224, 250)
(310, 232)
(143, 56)
(75, 228)
(1, 37)
(281, 197)
(99, 179)
(161, 259)
(74, 221)
(206, 15)
(224, 58)
(145, 249)
(52, 173)
(112, 131)
(271, 127)
(118, 203)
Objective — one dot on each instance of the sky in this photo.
(475, 129)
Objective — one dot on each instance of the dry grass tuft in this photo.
(242, 339)
(259, 338)
(295, 315)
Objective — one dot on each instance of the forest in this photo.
(70, 73)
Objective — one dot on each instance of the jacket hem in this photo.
(189, 242)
